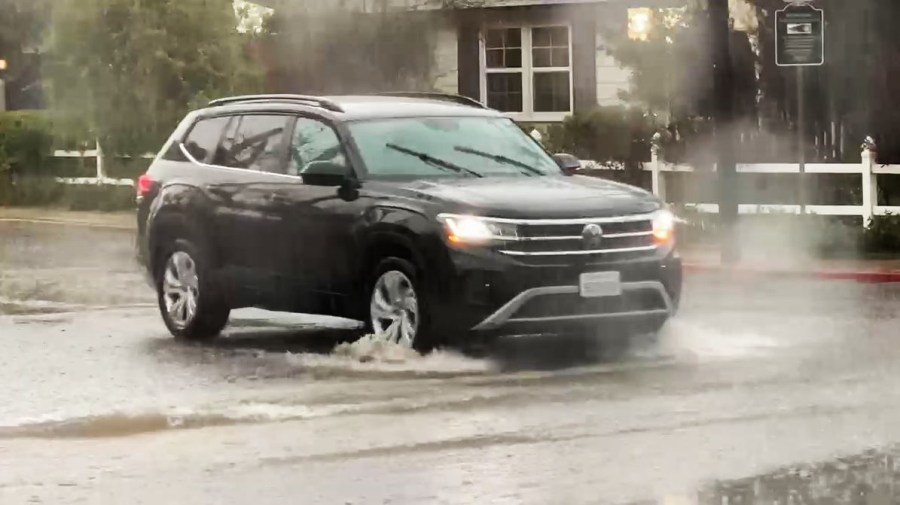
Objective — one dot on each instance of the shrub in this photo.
(607, 134)
(883, 234)
(105, 198)
(125, 168)
(32, 191)
(822, 236)
(26, 142)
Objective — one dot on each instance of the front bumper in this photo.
(492, 293)
(510, 313)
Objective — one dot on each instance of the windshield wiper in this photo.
(433, 160)
(500, 159)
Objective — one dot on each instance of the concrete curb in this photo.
(83, 224)
(861, 276)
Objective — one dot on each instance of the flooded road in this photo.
(759, 391)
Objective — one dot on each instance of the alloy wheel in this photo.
(394, 308)
(181, 289)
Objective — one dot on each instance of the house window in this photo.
(503, 59)
(528, 71)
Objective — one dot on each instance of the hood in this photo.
(550, 197)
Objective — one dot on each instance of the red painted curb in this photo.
(862, 276)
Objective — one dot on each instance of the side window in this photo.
(201, 141)
(223, 156)
(254, 143)
(314, 141)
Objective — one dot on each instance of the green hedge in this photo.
(29, 191)
(125, 168)
(606, 134)
(102, 198)
(26, 142)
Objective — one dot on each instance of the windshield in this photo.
(449, 147)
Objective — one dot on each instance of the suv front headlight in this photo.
(663, 226)
(474, 230)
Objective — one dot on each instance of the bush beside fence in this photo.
(820, 236)
(30, 167)
(39, 191)
(26, 143)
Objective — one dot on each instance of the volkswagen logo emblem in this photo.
(592, 236)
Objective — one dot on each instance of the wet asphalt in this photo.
(762, 391)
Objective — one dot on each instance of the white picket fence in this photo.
(868, 172)
(100, 177)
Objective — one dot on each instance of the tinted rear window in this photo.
(254, 142)
(202, 140)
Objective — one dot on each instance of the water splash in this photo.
(376, 354)
(690, 339)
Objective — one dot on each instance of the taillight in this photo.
(144, 185)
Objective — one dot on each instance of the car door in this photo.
(252, 158)
(317, 220)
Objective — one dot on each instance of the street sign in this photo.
(800, 36)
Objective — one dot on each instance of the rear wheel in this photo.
(189, 300)
(398, 309)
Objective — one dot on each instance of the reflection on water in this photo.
(867, 479)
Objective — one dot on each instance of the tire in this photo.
(184, 273)
(392, 269)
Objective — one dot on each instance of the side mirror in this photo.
(325, 173)
(568, 163)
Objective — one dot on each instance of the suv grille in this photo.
(626, 237)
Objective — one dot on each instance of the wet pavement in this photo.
(762, 391)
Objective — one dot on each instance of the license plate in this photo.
(600, 284)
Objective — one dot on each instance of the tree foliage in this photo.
(854, 94)
(356, 46)
(669, 69)
(672, 74)
(21, 26)
(341, 50)
(130, 69)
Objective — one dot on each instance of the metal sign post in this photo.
(800, 42)
(724, 93)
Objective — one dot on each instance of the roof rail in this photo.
(305, 99)
(446, 97)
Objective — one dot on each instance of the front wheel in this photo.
(398, 310)
(190, 304)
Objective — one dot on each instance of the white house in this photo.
(536, 60)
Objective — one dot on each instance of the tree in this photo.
(672, 74)
(21, 27)
(670, 70)
(853, 94)
(356, 46)
(130, 69)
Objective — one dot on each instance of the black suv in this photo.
(429, 217)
